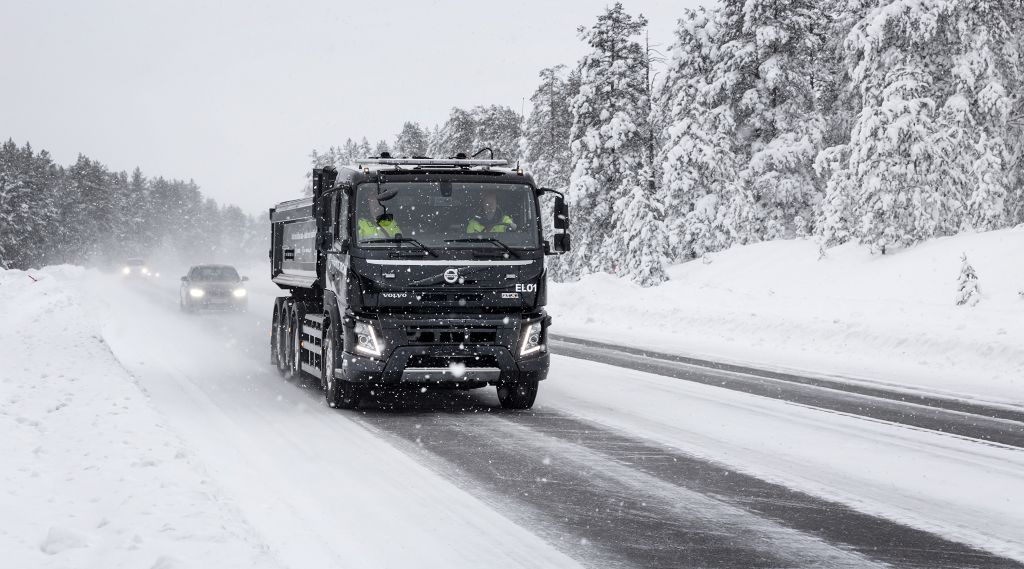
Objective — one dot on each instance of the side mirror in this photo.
(184, 279)
(245, 279)
(562, 243)
(561, 213)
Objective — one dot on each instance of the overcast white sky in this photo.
(235, 94)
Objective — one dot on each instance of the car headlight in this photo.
(127, 270)
(239, 293)
(196, 292)
(366, 339)
(145, 271)
(531, 338)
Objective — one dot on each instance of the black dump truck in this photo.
(418, 272)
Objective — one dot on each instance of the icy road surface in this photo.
(613, 467)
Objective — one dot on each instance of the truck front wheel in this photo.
(519, 395)
(339, 394)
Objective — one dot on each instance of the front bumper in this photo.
(407, 362)
(397, 369)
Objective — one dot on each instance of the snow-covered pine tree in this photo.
(87, 215)
(546, 135)
(933, 150)
(967, 290)
(381, 147)
(498, 128)
(698, 166)
(987, 75)
(610, 175)
(457, 134)
(27, 208)
(766, 65)
(349, 152)
(364, 150)
(412, 141)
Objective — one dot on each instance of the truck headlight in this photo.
(530, 343)
(196, 292)
(366, 339)
(239, 293)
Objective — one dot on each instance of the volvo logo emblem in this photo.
(451, 275)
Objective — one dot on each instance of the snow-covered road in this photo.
(613, 467)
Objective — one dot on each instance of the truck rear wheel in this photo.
(519, 395)
(293, 340)
(340, 394)
(278, 335)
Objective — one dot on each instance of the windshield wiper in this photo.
(402, 240)
(497, 242)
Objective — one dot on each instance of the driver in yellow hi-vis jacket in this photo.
(368, 227)
(490, 220)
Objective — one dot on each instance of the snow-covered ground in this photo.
(91, 475)
(141, 436)
(888, 319)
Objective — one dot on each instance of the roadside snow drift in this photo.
(90, 475)
(889, 319)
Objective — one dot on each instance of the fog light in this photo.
(196, 292)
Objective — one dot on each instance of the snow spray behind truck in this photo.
(415, 272)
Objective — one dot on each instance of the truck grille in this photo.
(445, 297)
(431, 335)
(445, 361)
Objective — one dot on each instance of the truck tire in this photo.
(275, 336)
(339, 394)
(294, 341)
(519, 395)
(282, 336)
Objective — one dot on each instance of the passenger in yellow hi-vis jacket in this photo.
(490, 220)
(368, 227)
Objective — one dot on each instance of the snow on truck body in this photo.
(395, 278)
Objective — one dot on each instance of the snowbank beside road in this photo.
(888, 319)
(90, 477)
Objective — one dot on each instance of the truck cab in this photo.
(415, 272)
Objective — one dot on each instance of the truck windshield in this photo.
(447, 214)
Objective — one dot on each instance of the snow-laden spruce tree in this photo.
(27, 203)
(498, 128)
(546, 144)
(412, 141)
(767, 65)
(932, 150)
(967, 290)
(457, 134)
(546, 136)
(617, 212)
(698, 166)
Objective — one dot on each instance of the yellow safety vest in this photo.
(368, 229)
(475, 226)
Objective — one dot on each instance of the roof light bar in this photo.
(431, 162)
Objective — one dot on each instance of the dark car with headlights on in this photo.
(137, 269)
(216, 287)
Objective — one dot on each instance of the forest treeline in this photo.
(87, 214)
(883, 122)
